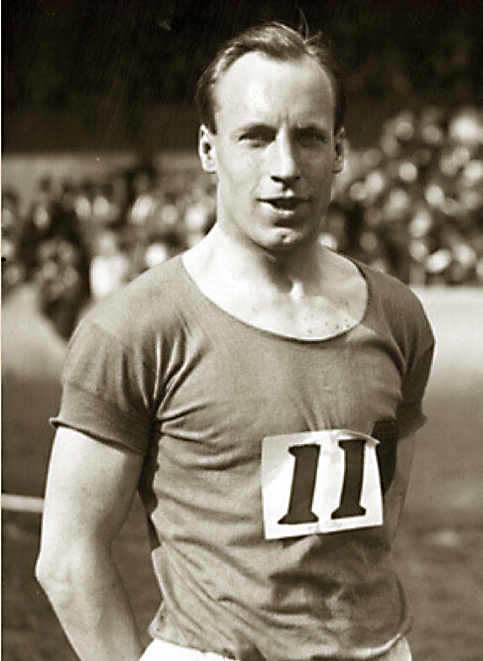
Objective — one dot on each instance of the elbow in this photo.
(56, 573)
(51, 574)
(44, 570)
(65, 570)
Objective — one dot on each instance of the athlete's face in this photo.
(274, 151)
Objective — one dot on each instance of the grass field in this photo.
(440, 544)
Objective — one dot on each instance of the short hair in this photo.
(279, 42)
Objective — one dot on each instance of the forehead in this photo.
(262, 88)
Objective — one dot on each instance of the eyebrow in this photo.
(262, 126)
(312, 128)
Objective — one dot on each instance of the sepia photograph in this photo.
(241, 319)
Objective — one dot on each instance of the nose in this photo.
(284, 166)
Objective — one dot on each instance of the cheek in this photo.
(236, 170)
(320, 164)
(243, 180)
(322, 178)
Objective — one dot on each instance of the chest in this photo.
(306, 318)
(235, 389)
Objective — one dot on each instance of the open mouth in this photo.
(285, 203)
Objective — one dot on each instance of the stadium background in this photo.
(99, 181)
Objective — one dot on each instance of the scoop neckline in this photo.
(272, 334)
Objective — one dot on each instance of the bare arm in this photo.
(395, 496)
(90, 488)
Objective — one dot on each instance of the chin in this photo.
(288, 237)
(284, 241)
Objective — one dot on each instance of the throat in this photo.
(304, 303)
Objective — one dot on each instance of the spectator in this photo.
(13, 267)
(109, 267)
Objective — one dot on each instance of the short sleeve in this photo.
(410, 414)
(107, 389)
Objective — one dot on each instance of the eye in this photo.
(311, 137)
(258, 136)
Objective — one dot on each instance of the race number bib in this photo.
(320, 482)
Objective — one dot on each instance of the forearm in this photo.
(92, 606)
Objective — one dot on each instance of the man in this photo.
(260, 391)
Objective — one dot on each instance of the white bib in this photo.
(320, 482)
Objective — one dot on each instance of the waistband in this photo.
(160, 650)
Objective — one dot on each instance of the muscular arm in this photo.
(90, 488)
(395, 496)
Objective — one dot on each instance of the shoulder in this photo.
(396, 305)
(147, 301)
(392, 293)
(123, 342)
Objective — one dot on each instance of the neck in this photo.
(283, 269)
(310, 294)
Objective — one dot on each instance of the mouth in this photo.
(285, 203)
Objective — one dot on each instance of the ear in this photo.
(206, 150)
(339, 151)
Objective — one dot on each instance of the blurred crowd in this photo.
(411, 206)
(80, 241)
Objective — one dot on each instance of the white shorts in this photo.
(159, 650)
